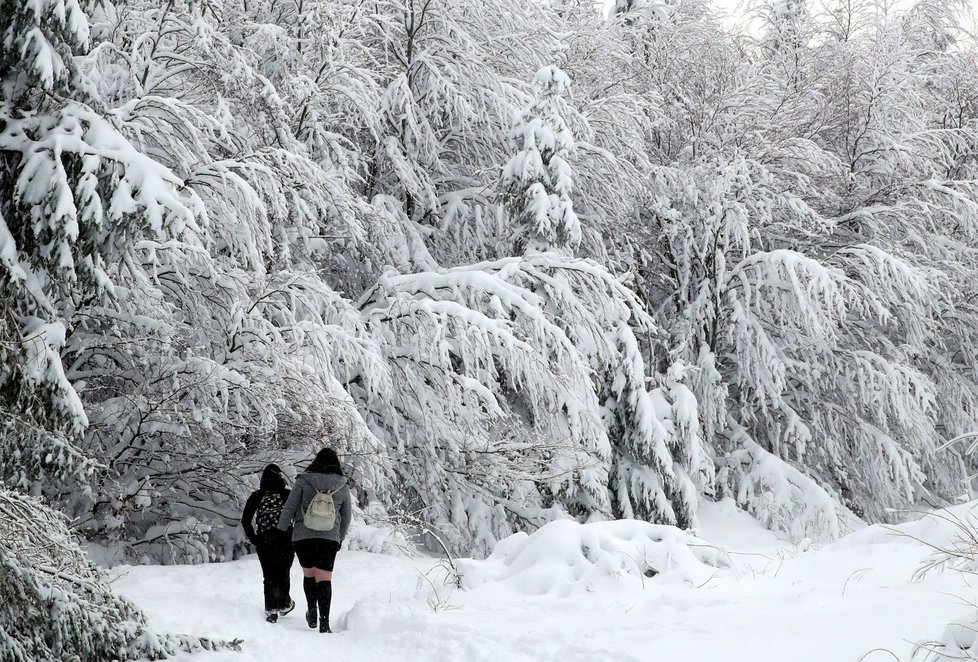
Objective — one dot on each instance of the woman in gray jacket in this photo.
(316, 547)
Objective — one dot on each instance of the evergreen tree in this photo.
(55, 605)
(74, 194)
(537, 182)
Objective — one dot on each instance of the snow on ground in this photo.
(761, 599)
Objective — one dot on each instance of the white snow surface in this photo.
(734, 592)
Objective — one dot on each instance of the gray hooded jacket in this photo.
(305, 489)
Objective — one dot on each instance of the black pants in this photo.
(276, 561)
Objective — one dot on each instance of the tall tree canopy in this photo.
(515, 260)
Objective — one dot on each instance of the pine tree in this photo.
(55, 605)
(537, 182)
(74, 193)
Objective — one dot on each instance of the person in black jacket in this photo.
(275, 552)
(317, 547)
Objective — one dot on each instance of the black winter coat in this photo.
(272, 481)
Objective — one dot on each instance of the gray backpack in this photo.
(321, 513)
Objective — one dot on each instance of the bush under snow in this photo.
(564, 557)
(55, 606)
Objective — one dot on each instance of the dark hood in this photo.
(272, 478)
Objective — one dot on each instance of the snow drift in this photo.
(564, 557)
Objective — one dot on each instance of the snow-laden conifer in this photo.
(56, 605)
(537, 182)
(75, 193)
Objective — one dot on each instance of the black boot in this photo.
(325, 590)
(309, 588)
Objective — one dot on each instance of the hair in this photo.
(326, 462)
(272, 478)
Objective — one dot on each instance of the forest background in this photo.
(516, 261)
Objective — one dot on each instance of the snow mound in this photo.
(942, 528)
(564, 556)
(724, 522)
(958, 641)
(374, 530)
(380, 540)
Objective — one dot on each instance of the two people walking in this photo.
(312, 522)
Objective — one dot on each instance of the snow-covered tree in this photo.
(221, 344)
(76, 194)
(786, 24)
(54, 603)
(238, 231)
(494, 395)
(537, 181)
(771, 206)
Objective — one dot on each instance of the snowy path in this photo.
(834, 604)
